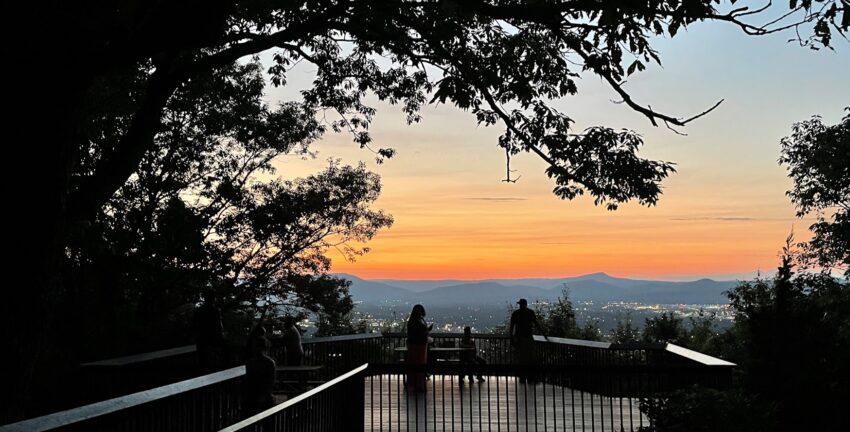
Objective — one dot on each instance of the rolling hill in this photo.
(596, 287)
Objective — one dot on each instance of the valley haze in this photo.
(595, 287)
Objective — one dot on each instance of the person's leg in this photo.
(421, 384)
(203, 351)
(480, 361)
(417, 354)
(467, 365)
(298, 360)
(422, 376)
(524, 352)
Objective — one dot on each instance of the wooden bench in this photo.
(290, 386)
(438, 352)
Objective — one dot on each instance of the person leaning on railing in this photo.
(521, 331)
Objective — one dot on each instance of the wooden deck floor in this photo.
(498, 404)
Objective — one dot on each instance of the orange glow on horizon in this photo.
(724, 213)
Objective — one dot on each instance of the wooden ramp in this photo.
(497, 404)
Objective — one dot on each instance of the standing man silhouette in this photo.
(521, 332)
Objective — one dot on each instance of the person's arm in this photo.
(512, 326)
(219, 325)
(298, 340)
(539, 327)
(426, 329)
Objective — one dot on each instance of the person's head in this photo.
(523, 303)
(258, 331)
(467, 332)
(260, 346)
(418, 311)
(288, 321)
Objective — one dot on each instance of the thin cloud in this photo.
(495, 199)
(717, 218)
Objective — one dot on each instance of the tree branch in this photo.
(112, 172)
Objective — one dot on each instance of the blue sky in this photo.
(724, 214)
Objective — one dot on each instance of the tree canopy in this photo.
(817, 158)
(502, 60)
(204, 210)
(790, 338)
(92, 105)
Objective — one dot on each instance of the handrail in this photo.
(702, 359)
(97, 409)
(698, 357)
(323, 339)
(575, 342)
(693, 360)
(639, 345)
(143, 357)
(448, 368)
(453, 335)
(280, 407)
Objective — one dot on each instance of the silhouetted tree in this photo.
(791, 341)
(558, 317)
(795, 341)
(589, 331)
(500, 59)
(702, 333)
(818, 160)
(698, 409)
(625, 332)
(197, 214)
(791, 336)
(699, 333)
(205, 210)
(559, 320)
(336, 324)
(663, 328)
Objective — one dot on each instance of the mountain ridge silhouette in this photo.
(595, 287)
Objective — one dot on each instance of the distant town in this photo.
(492, 319)
(485, 306)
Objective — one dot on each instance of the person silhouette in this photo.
(417, 345)
(209, 331)
(470, 357)
(292, 342)
(257, 332)
(522, 333)
(259, 378)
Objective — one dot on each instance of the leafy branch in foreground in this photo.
(817, 157)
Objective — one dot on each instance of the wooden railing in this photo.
(204, 403)
(336, 405)
(610, 372)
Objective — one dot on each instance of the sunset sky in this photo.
(723, 215)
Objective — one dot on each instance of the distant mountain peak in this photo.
(597, 275)
(348, 276)
(597, 287)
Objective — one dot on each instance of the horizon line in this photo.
(717, 277)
